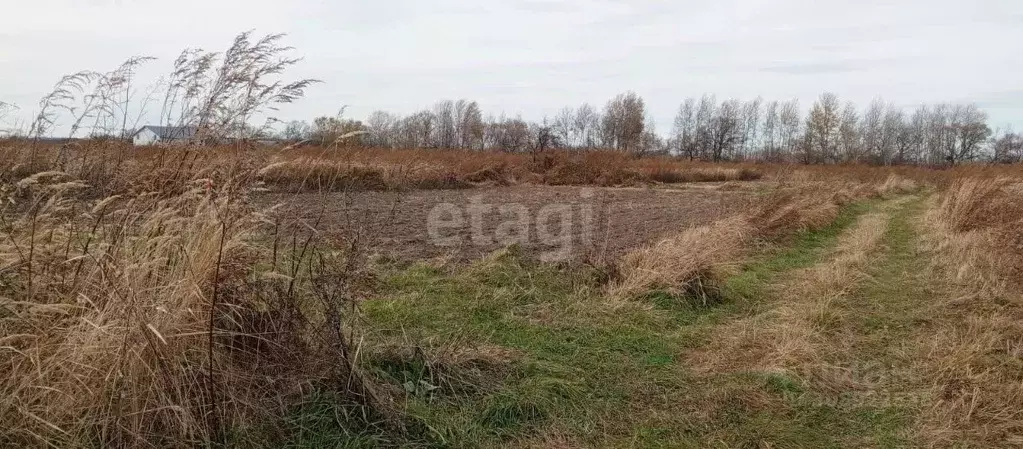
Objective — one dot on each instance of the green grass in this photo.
(878, 314)
(804, 250)
(594, 374)
(883, 314)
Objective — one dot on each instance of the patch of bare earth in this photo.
(574, 222)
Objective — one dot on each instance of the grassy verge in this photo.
(804, 250)
(511, 352)
(833, 339)
(778, 406)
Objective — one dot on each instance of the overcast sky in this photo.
(532, 57)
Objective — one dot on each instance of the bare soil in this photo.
(471, 223)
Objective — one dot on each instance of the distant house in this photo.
(155, 135)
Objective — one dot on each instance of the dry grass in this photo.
(792, 336)
(897, 185)
(159, 319)
(693, 261)
(115, 167)
(977, 231)
(143, 302)
(795, 209)
(120, 334)
(808, 205)
(682, 263)
(973, 232)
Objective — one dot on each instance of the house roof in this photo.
(170, 132)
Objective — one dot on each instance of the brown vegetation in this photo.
(975, 232)
(792, 336)
(118, 167)
(152, 297)
(695, 257)
(978, 226)
(158, 317)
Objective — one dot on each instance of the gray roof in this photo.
(171, 132)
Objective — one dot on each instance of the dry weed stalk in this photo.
(145, 319)
(220, 93)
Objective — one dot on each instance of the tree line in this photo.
(622, 125)
(704, 128)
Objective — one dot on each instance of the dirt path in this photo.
(803, 304)
(939, 358)
(837, 335)
(845, 336)
(876, 339)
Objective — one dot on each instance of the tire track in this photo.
(796, 331)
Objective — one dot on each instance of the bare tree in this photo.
(623, 120)
(770, 150)
(789, 128)
(336, 131)
(1007, 148)
(725, 131)
(650, 142)
(822, 130)
(297, 130)
(750, 122)
(587, 125)
(889, 148)
(444, 129)
(542, 138)
(416, 130)
(469, 120)
(562, 127)
(5, 110)
(704, 117)
(940, 139)
(849, 145)
(508, 134)
(969, 132)
(831, 132)
(382, 129)
(912, 140)
(684, 130)
(872, 131)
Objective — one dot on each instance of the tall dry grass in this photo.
(688, 263)
(974, 231)
(977, 229)
(693, 261)
(167, 319)
(143, 302)
(114, 167)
